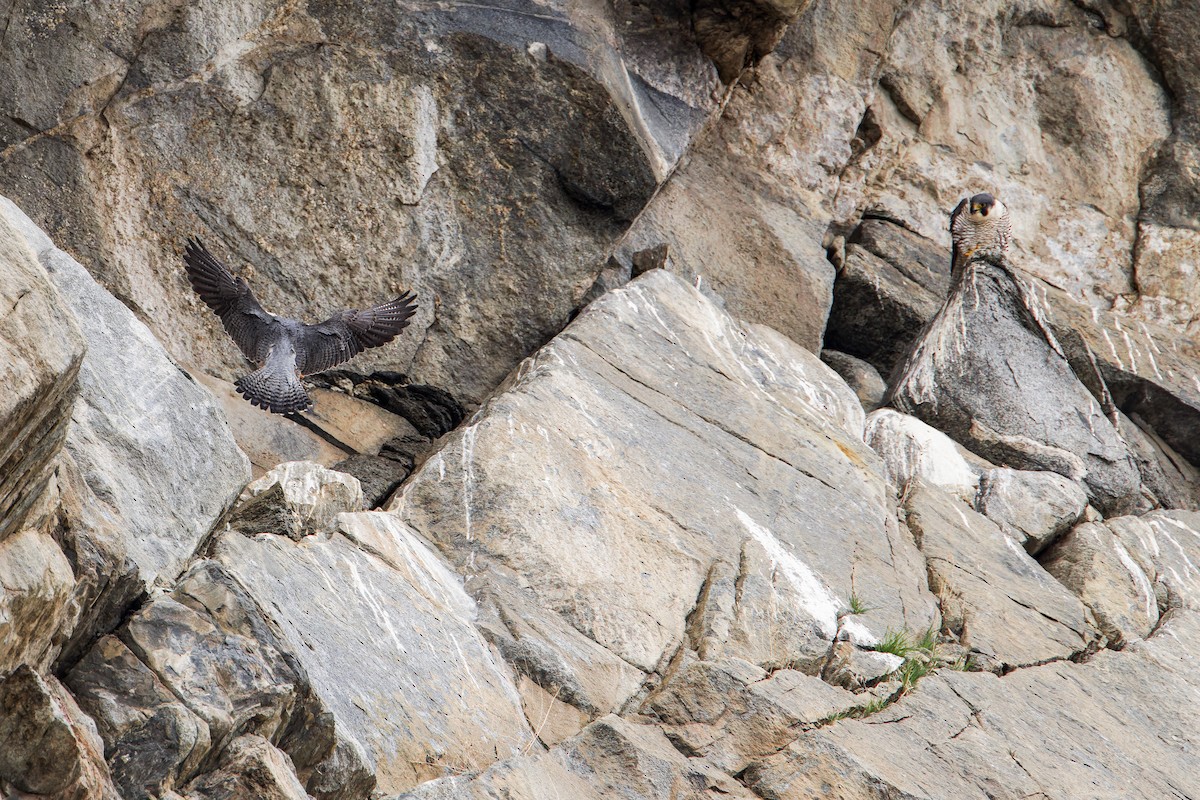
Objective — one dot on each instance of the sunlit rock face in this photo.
(635, 537)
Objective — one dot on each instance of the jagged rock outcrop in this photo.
(669, 555)
(985, 372)
(754, 556)
(496, 149)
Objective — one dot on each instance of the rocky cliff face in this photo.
(696, 468)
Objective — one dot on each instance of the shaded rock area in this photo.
(695, 476)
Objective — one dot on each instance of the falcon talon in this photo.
(286, 349)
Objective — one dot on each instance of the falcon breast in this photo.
(979, 225)
(286, 349)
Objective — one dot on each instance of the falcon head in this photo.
(981, 206)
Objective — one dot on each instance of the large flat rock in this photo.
(152, 444)
(384, 631)
(661, 475)
(1001, 604)
(40, 353)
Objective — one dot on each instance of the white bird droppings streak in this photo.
(816, 598)
(468, 467)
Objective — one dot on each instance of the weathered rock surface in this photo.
(668, 549)
(268, 439)
(296, 499)
(859, 376)
(1035, 507)
(40, 353)
(610, 758)
(745, 216)
(152, 739)
(250, 767)
(47, 745)
(912, 450)
(702, 483)
(890, 282)
(497, 149)
(35, 601)
(1132, 572)
(180, 437)
(985, 373)
(427, 697)
(967, 735)
(995, 598)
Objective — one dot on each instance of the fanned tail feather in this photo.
(276, 391)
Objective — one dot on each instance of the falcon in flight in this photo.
(979, 225)
(287, 349)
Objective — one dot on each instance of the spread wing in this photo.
(244, 319)
(958, 211)
(348, 333)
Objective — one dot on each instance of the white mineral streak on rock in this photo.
(911, 449)
(859, 634)
(1145, 589)
(818, 600)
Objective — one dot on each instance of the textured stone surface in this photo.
(984, 373)
(296, 499)
(912, 450)
(427, 696)
(996, 599)
(180, 436)
(693, 477)
(859, 376)
(36, 585)
(968, 735)
(1034, 507)
(40, 352)
(250, 767)
(610, 758)
(153, 741)
(47, 745)
(268, 439)
(495, 148)
(745, 217)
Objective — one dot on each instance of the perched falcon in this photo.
(287, 349)
(978, 226)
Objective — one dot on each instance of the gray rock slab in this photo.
(152, 740)
(888, 286)
(40, 353)
(36, 589)
(1169, 478)
(151, 443)
(732, 713)
(1094, 564)
(912, 450)
(860, 376)
(612, 757)
(48, 746)
(660, 464)
(999, 602)
(984, 373)
(249, 767)
(296, 499)
(1036, 506)
(1061, 730)
(427, 695)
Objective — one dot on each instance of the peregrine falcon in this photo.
(978, 226)
(286, 348)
